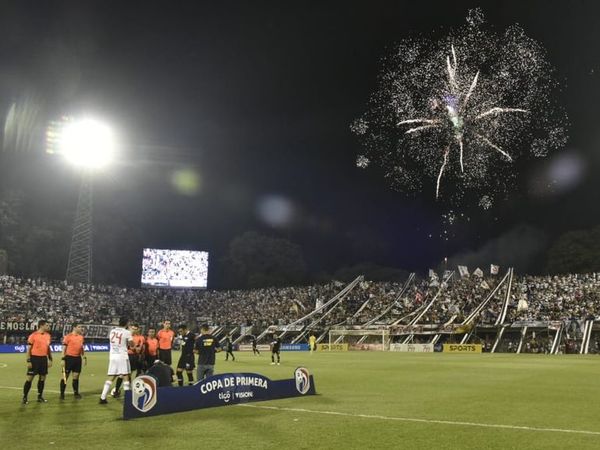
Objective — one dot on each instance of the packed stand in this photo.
(542, 298)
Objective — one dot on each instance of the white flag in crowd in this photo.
(494, 269)
(522, 305)
(484, 285)
(432, 275)
(463, 271)
(447, 273)
(478, 272)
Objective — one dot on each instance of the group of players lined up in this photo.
(129, 351)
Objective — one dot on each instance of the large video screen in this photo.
(174, 268)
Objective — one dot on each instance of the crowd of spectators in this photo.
(533, 298)
(31, 299)
(556, 297)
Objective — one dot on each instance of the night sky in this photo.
(255, 99)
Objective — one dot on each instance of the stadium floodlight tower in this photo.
(89, 145)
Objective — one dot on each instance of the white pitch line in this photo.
(412, 419)
(20, 389)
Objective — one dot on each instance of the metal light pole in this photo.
(89, 145)
(80, 265)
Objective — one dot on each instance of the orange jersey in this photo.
(74, 344)
(138, 342)
(40, 343)
(165, 339)
(151, 346)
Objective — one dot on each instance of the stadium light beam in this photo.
(87, 143)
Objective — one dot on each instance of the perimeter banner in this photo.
(462, 348)
(259, 347)
(146, 399)
(412, 348)
(22, 348)
(332, 347)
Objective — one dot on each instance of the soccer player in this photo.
(73, 355)
(151, 347)
(228, 348)
(275, 349)
(254, 347)
(39, 359)
(165, 342)
(118, 366)
(136, 354)
(312, 342)
(186, 360)
(206, 347)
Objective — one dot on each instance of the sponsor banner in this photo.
(332, 347)
(54, 347)
(412, 348)
(146, 399)
(294, 347)
(92, 331)
(26, 325)
(462, 348)
(259, 347)
(366, 347)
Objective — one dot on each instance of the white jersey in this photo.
(119, 339)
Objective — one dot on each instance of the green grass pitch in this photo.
(367, 400)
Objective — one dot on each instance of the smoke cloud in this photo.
(521, 248)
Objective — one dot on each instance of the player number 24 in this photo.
(114, 336)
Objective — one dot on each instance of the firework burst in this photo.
(460, 111)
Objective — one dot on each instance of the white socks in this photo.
(105, 389)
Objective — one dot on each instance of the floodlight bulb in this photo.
(87, 143)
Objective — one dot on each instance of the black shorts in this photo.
(186, 362)
(72, 364)
(39, 365)
(165, 356)
(150, 360)
(136, 362)
(275, 350)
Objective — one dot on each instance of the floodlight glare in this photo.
(87, 143)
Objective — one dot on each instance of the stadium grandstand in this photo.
(503, 313)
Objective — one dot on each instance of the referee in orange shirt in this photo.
(165, 342)
(39, 359)
(73, 356)
(151, 348)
